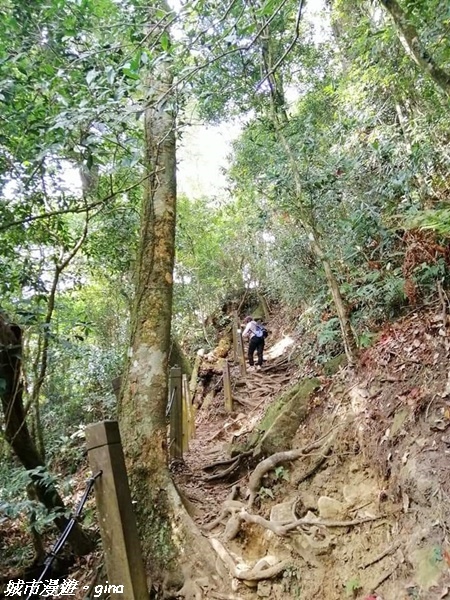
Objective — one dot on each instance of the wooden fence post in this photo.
(197, 363)
(186, 422)
(124, 566)
(176, 413)
(240, 343)
(190, 408)
(227, 386)
(235, 341)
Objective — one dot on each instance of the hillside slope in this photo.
(362, 512)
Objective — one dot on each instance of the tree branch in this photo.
(410, 40)
(75, 210)
(288, 49)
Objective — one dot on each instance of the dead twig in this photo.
(380, 556)
(383, 577)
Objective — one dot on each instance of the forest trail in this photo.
(383, 470)
(216, 430)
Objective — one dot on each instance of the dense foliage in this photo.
(365, 129)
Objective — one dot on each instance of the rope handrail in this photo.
(65, 534)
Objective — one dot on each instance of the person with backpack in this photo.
(256, 334)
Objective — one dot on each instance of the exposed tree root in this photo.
(278, 364)
(313, 470)
(262, 569)
(282, 529)
(279, 528)
(254, 483)
(275, 526)
(224, 596)
(234, 463)
(219, 463)
(225, 472)
(228, 507)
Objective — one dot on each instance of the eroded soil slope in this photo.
(362, 512)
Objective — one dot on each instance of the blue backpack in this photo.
(261, 331)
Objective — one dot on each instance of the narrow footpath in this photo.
(217, 430)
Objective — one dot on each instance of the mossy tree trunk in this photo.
(165, 528)
(410, 40)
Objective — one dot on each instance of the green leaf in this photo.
(267, 8)
(91, 75)
(165, 41)
(110, 74)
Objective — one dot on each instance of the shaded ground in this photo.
(369, 502)
(216, 430)
(383, 470)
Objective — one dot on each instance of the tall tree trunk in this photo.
(264, 304)
(41, 362)
(410, 40)
(18, 435)
(165, 527)
(280, 119)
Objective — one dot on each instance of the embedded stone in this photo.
(282, 513)
(329, 508)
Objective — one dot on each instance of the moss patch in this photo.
(332, 366)
(282, 419)
(271, 414)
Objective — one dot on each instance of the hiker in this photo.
(256, 342)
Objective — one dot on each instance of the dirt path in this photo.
(386, 474)
(216, 429)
